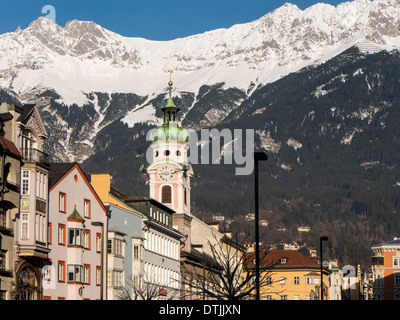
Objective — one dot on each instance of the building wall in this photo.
(161, 259)
(7, 224)
(31, 242)
(386, 273)
(204, 234)
(76, 191)
(126, 225)
(292, 284)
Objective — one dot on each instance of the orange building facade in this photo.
(386, 270)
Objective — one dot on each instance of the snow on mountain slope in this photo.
(84, 57)
(85, 65)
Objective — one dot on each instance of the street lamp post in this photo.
(320, 249)
(100, 224)
(258, 156)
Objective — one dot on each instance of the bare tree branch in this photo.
(225, 274)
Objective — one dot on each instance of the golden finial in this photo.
(170, 81)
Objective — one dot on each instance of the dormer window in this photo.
(283, 260)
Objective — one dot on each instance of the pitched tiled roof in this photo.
(58, 170)
(293, 259)
(26, 110)
(9, 146)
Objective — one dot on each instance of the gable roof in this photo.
(58, 171)
(294, 259)
(27, 111)
(9, 146)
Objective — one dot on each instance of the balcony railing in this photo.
(35, 155)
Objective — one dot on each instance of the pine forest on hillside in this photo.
(342, 181)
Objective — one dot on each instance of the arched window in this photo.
(27, 285)
(185, 195)
(166, 194)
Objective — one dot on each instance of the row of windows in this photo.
(115, 279)
(160, 216)
(379, 280)
(62, 205)
(167, 153)
(40, 227)
(77, 237)
(295, 297)
(74, 273)
(116, 247)
(41, 183)
(161, 245)
(161, 276)
(296, 280)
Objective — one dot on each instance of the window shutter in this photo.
(166, 194)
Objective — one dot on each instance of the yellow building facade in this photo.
(290, 275)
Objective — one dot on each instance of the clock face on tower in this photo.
(166, 173)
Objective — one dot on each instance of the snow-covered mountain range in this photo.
(83, 64)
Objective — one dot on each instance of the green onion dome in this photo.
(170, 132)
(170, 129)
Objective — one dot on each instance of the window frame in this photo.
(49, 233)
(166, 197)
(24, 223)
(98, 276)
(61, 226)
(89, 213)
(28, 182)
(77, 234)
(98, 242)
(86, 277)
(86, 232)
(63, 208)
(61, 263)
(75, 267)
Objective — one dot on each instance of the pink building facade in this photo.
(77, 227)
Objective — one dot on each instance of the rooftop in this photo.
(58, 170)
(283, 259)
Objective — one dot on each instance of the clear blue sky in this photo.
(150, 19)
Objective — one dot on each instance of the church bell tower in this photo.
(170, 170)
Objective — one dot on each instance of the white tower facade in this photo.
(170, 170)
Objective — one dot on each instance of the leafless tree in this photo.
(225, 274)
(145, 287)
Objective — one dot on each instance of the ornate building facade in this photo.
(10, 164)
(31, 229)
(170, 175)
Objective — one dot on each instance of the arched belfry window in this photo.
(166, 194)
